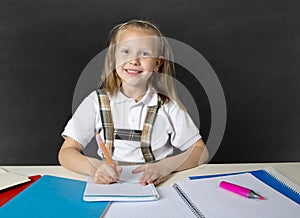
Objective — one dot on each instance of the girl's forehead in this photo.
(135, 34)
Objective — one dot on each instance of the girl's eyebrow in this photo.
(131, 43)
(130, 46)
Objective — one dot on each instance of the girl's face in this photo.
(136, 56)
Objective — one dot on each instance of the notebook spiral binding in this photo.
(282, 179)
(188, 201)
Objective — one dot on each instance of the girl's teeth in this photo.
(132, 71)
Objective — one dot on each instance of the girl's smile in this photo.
(136, 57)
(132, 72)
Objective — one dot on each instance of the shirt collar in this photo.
(149, 99)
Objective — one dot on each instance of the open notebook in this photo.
(128, 189)
(9, 179)
(204, 198)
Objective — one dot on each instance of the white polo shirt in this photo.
(173, 126)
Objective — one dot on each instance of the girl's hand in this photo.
(106, 174)
(155, 173)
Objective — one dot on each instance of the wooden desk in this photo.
(291, 170)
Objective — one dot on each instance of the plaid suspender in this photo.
(106, 118)
(133, 135)
(147, 130)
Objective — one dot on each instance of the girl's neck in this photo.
(137, 93)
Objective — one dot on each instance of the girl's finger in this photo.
(119, 170)
(152, 178)
(149, 177)
(110, 171)
(160, 180)
(139, 169)
(103, 177)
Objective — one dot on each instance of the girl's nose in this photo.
(134, 61)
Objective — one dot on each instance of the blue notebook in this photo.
(272, 178)
(52, 196)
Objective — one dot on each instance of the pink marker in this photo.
(240, 190)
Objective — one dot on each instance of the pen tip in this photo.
(261, 198)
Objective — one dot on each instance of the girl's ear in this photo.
(159, 62)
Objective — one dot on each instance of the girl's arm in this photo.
(159, 171)
(70, 157)
(192, 157)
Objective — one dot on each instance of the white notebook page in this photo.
(128, 176)
(9, 179)
(127, 189)
(118, 189)
(214, 201)
(169, 205)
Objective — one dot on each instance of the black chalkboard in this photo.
(253, 47)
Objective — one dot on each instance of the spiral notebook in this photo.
(204, 198)
(270, 177)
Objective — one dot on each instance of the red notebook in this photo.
(9, 193)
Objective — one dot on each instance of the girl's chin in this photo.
(135, 81)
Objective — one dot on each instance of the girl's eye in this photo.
(144, 54)
(125, 51)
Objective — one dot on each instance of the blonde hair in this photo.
(163, 84)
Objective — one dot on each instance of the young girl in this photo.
(136, 112)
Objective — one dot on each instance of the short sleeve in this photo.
(82, 126)
(184, 132)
